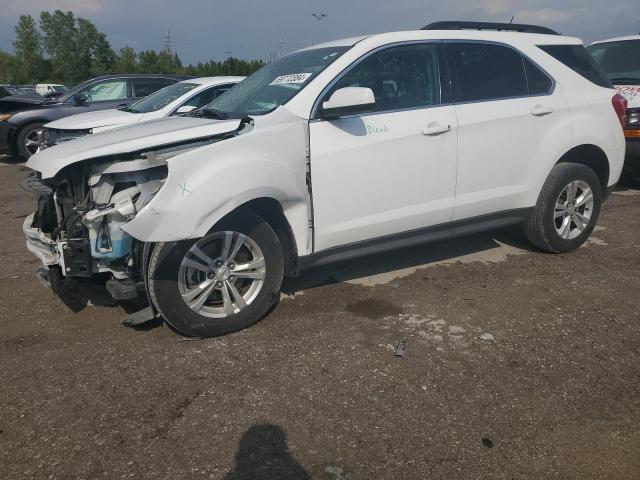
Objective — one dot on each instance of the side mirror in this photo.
(185, 109)
(80, 98)
(348, 101)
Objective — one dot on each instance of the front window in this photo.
(104, 91)
(162, 98)
(619, 60)
(274, 84)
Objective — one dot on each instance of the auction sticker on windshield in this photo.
(292, 78)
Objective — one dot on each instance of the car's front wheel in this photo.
(29, 139)
(221, 283)
(567, 209)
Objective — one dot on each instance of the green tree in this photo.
(8, 68)
(60, 40)
(29, 64)
(126, 61)
(148, 61)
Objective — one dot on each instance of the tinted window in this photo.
(578, 59)
(619, 60)
(485, 72)
(207, 96)
(107, 90)
(400, 77)
(146, 86)
(538, 81)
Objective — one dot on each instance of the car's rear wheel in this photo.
(567, 209)
(221, 283)
(29, 139)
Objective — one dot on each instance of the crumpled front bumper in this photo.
(39, 244)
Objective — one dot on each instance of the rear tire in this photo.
(237, 287)
(567, 209)
(27, 140)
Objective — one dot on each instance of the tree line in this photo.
(67, 49)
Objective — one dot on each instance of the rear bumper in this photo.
(633, 149)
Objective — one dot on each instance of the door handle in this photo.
(436, 128)
(541, 110)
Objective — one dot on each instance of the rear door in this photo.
(505, 106)
(392, 170)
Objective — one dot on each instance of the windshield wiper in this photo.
(127, 108)
(213, 113)
(626, 80)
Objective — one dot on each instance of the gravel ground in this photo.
(518, 364)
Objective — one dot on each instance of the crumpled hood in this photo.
(128, 139)
(631, 93)
(100, 118)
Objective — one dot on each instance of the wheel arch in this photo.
(272, 212)
(590, 156)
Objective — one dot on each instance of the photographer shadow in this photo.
(263, 454)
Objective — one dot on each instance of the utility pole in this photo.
(167, 41)
(280, 47)
(319, 17)
(228, 54)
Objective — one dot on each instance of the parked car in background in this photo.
(50, 89)
(179, 98)
(344, 149)
(22, 116)
(620, 60)
(7, 90)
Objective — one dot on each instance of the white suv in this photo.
(342, 149)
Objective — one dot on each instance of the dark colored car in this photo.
(22, 116)
(7, 90)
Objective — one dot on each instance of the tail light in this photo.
(620, 106)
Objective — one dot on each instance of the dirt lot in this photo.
(519, 365)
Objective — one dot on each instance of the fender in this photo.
(204, 185)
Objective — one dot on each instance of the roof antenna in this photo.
(512, 19)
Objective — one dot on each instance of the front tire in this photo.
(28, 140)
(221, 283)
(567, 209)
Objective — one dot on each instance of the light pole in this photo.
(228, 54)
(319, 17)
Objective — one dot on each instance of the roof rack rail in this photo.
(502, 27)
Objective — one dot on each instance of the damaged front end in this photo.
(76, 229)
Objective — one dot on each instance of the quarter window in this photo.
(485, 72)
(401, 77)
(539, 83)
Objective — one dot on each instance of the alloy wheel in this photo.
(221, 274)
(32, 141)
(573, 210)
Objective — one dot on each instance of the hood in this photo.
(100, 118)
(128, 139)
(23, 101)
(631, 93)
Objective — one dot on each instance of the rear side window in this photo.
(538, 81)
(580, 61)
(484, 72)
(146, 86)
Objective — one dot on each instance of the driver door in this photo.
(392, 170)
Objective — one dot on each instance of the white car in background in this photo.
(179, 98)
(620, 60)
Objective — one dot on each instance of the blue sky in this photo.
(204, 29)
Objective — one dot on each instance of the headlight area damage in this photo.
(76, 229)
